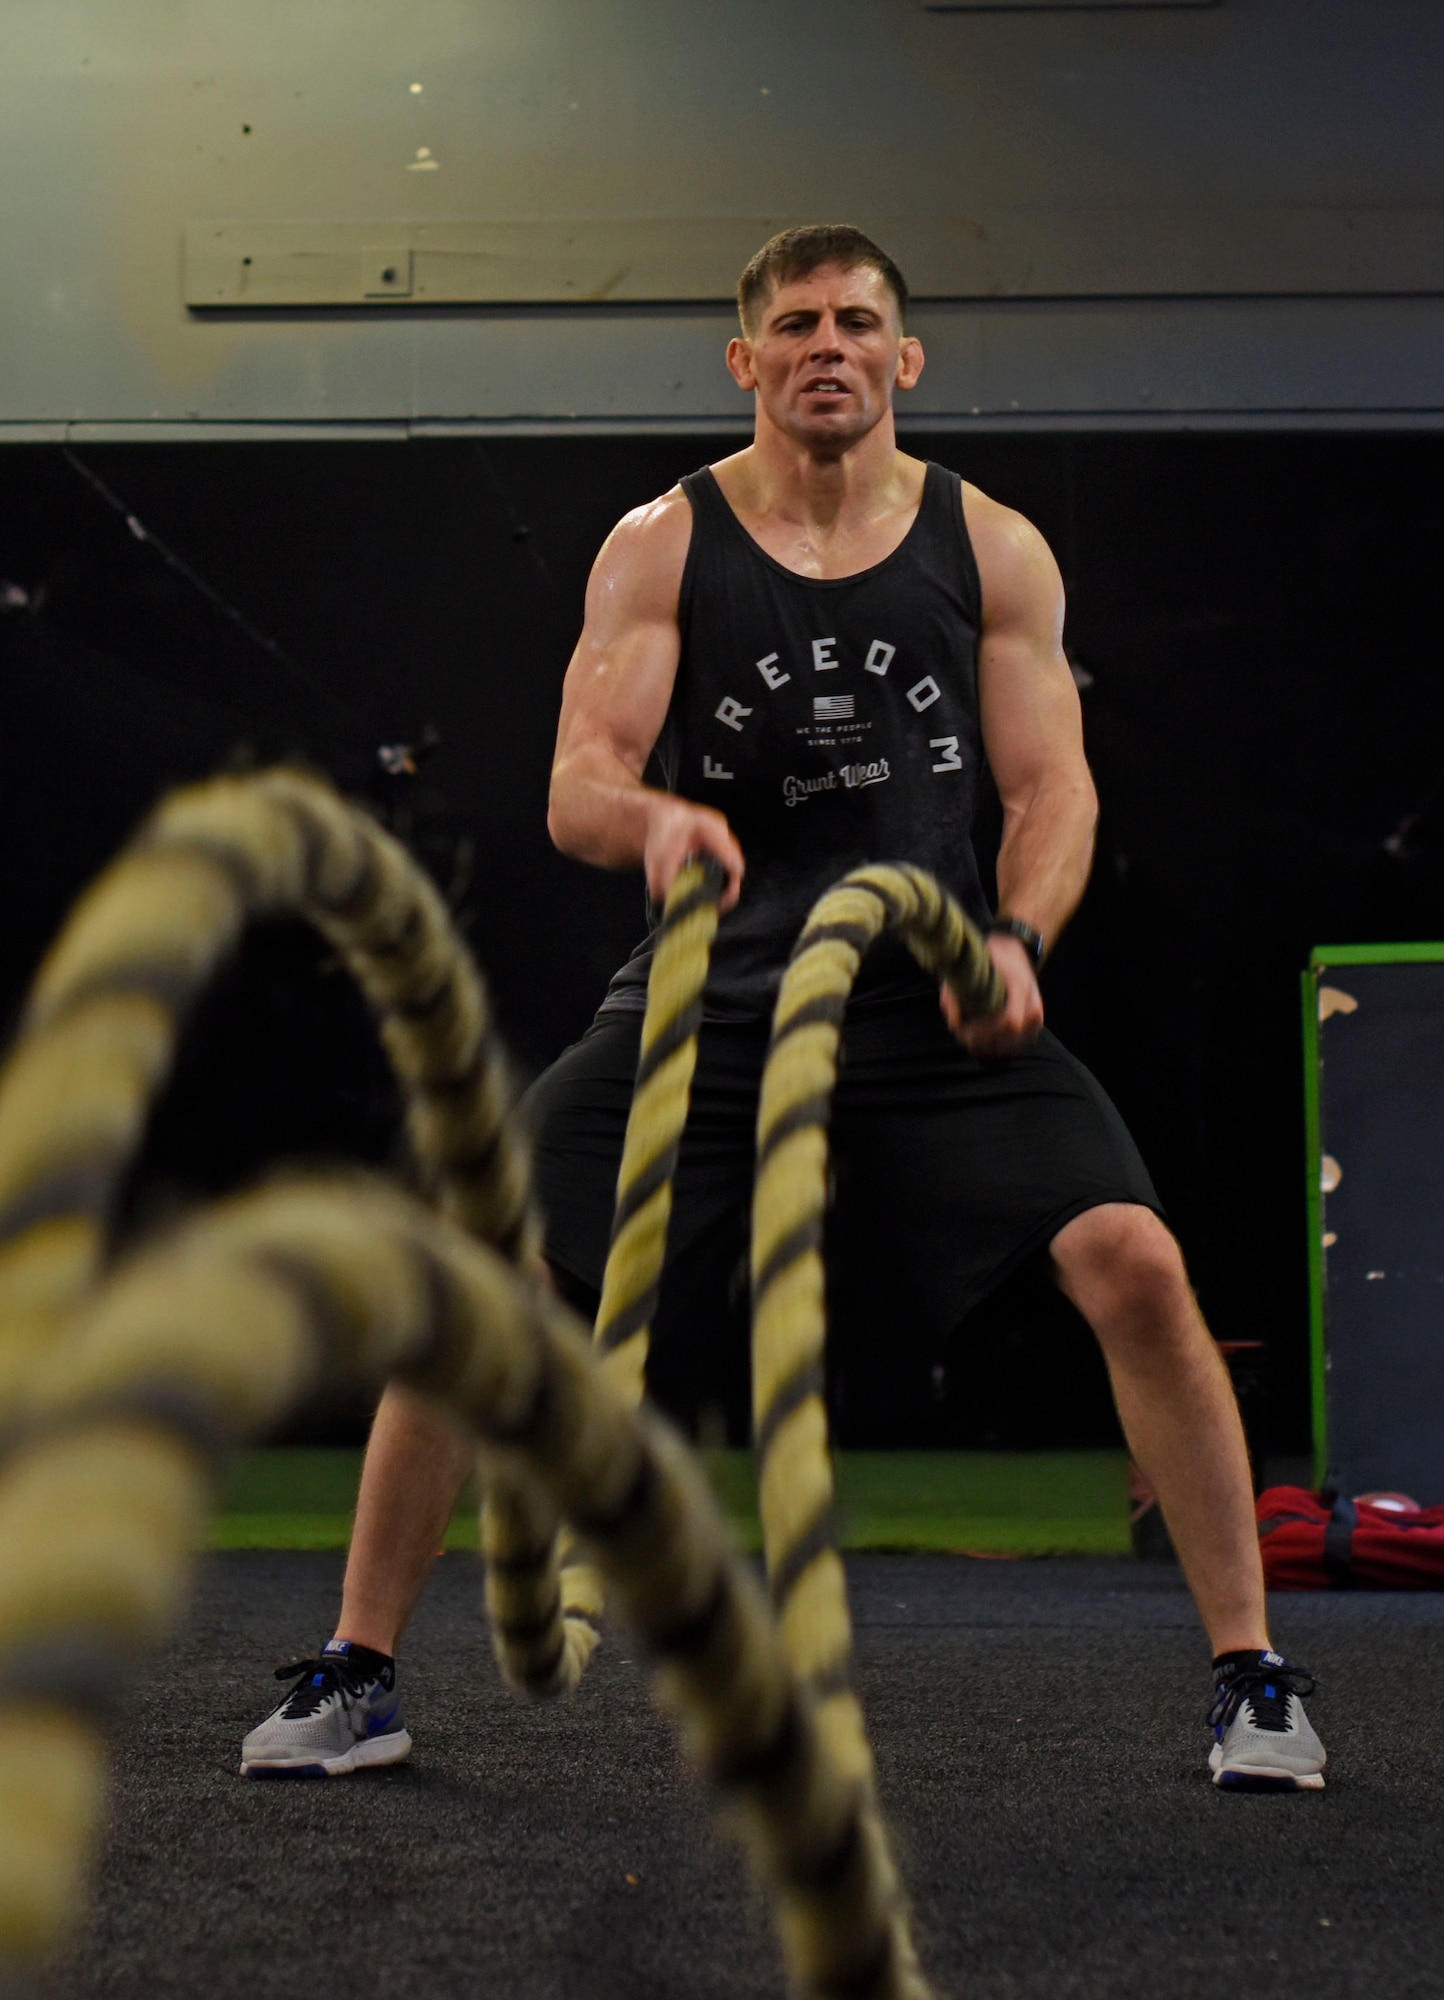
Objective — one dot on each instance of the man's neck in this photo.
(827, 491)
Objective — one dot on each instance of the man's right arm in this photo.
(614, 702)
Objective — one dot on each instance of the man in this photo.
(819, 639)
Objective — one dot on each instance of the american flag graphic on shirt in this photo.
(833, 707)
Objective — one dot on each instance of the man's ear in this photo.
(739, 363)
(910, 361)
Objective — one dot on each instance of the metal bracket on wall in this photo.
(386, 270)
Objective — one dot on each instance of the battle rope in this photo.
(661, 1095)
(108, 1429)
(660, 1098)
(789, 1323)
(212, 1337)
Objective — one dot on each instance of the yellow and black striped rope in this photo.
(795, 1481)
(661, 1096)
(660, 1099)
(212, 1337)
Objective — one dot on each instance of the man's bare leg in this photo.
(1124, 1271)
(417, 1461)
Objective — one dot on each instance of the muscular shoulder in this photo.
(640, 564)
(1019, 577)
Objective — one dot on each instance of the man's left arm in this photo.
(1033, 737)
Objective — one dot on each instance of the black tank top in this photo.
(833, 721)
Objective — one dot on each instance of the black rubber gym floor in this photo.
(1037, 1727)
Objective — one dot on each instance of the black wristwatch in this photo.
(1028, 938)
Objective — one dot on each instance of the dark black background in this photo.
(1257, 614)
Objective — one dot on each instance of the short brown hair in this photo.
(797, 253)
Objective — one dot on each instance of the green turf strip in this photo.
(973, 1502)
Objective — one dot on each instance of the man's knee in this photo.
(1119, 1262)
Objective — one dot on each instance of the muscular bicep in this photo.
(1031, 717)
(619, 683)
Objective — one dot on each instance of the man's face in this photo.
(826, 357)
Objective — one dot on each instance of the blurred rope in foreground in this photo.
(119, 1388)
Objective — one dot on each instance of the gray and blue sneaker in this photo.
(1263, 1741)
(343, 1714)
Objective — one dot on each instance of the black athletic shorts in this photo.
(949, 1174)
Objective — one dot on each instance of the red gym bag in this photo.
(1380, 1542)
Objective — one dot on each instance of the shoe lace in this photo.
(1266, 1690)
(316, 1682)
